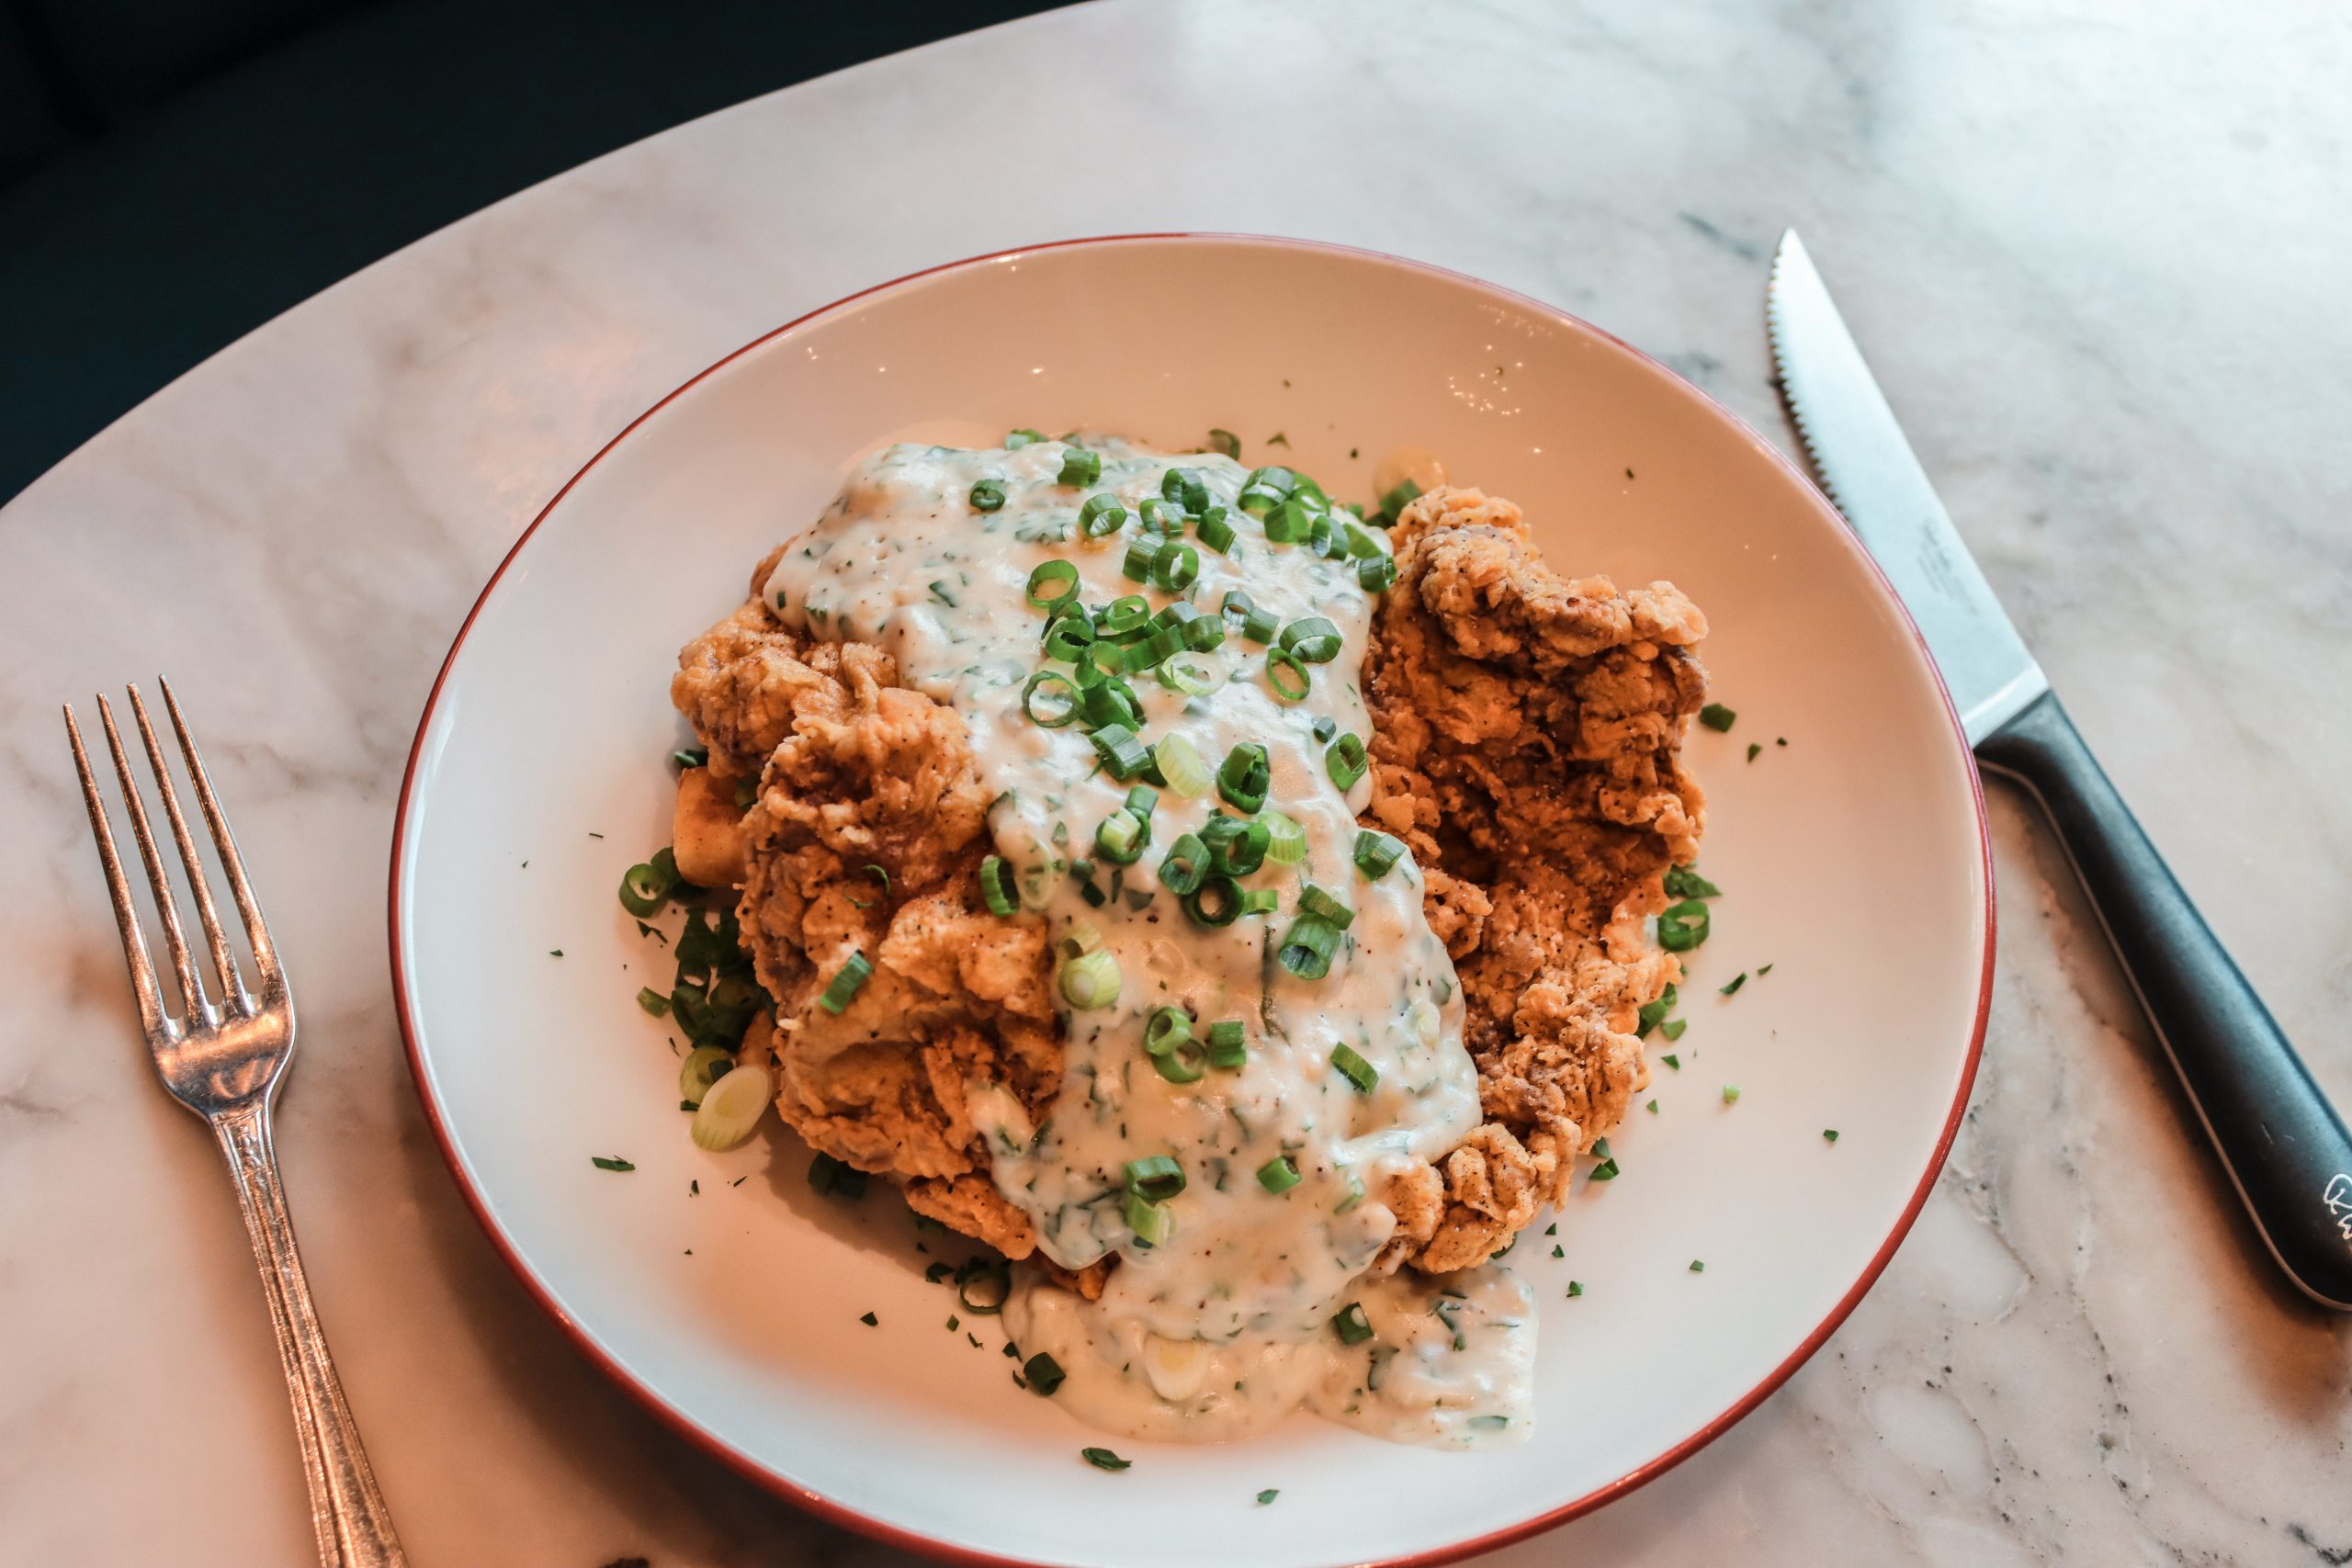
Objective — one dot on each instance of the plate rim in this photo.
(883, 1531)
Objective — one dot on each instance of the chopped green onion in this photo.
(844, 983)
(1143, 800)
(1055, 573)
(1102, 515)
(1109, 701)
(1166, 1028)
(1673, 1027)
(1313, 639)
(1377, 851)
(1351, 1325)
(1123, 618)
(1245, 776)
(1320, 903)
(1216, 529)
(1091, 981)
(1059, 704)
(692, 757)
(1149, 1221)
(1717, 718)
(647, 886)
(1324, 726)
(1376, 573)
(1083, 936)
(982, 1285)
(1104, 1458)
(1731, 1094)
(1259, 902)
(1181, 868)
(1681, 926)
(611, 1162)
(1737, 982)
(1287, 522)
(1395, 501)
(1224, 441)
(1228, 1043)
(1354, 1068)
(732, 1109)
(1177, 568)
(1652, 1014)
(1069, 637)
(1158, 517)
(1180, 1064)
(1697, 1265)
(1269, 1494)
(1157, 1178)
(1019, 438)
(1043, 1373)
(1684, 882)
(1180, 763)
(1830, 1134)
(1121, 837)
(1361, 545)
(1142, 551)
(1285, 840)
(1185, 488)
(653, 1000)
(1308, 947)
(1122, 753)
(1279, 1174)
(987, 494)
(1237, 847)
(1344, 760)
(1215, 902)
(1204, 635)
(1285, 674)
(704, 1065)
(997, 888)
(1079, 467)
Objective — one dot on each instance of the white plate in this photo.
(1853, 861)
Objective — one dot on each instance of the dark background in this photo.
(175, 173)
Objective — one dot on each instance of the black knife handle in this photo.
(2281, 1142)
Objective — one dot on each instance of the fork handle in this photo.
(354, 1527)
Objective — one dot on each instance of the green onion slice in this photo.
(1142, 551)
(1157, 1178)
(1224, 441)
(996, 886)
(843, 985)
(987, 495)
(732, 1109)
(1227, 1042)
(1395, 501)
(1058, 704)
(1149, 1221)
(1318, 902)
(1217, 901)
(1185, 488)
(1166, 1028)
(1050, 576)
(1102, 515)
(1289, 523)
(1351, 1325)
(1354, 1068)
(1216, 529)
(1123, 754)
(1681, 926)
(1308, 947)
(1069, 637)
(1376, 573)
(1180, 763)
(1285, 840)
(1092, 981)
(1043, 1373)
(1181, 868)
(1079, 467)
(1121, 837)
(1123, 617)
(1285, 674)
(1177, 568)
(704, 1065)
(1185, 1064)
(1376, 853)
(1259, 902)
(1017, 439)
(645, 888)
(1313, 639)
(1245, 776)
(1344, 760)
(1279, 1174)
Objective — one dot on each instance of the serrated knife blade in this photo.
(1869, 470)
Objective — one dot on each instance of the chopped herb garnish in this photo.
(1763, 970)
(1681, 926)
(1104, 1458)
(1605, 1171)
(1224, 441)
(612, 1163)
(870, 1320)
(1684, 882)
(1717, 718)
(1671, 1060)
(1277, 439)
(653, 1000)
(1830, 1134)
(1652, 1107)
(1731, 1094)
(1737, 982)
(555, 953)
(1697, 1265)
(1575, 1289)
(1672, 1029)
(1351, 1325)
(1754, 749)
(1044, 1374)
(1551, 1229)
(694, 1188)
(1557, 1253)
(1268, 1496)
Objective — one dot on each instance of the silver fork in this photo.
(223, 1061)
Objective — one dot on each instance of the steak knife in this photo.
(2283, 1146)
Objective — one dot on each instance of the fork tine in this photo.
(248, 906)
(174, 940)
(225, 963)
(134, 941)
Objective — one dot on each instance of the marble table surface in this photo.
(2096, 249)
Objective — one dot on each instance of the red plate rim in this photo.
(882, 1529)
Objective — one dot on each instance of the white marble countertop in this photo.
(2097, 252)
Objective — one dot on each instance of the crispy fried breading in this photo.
(855, 772)
(1527, 745)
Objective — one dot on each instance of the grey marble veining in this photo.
(2095, 252)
